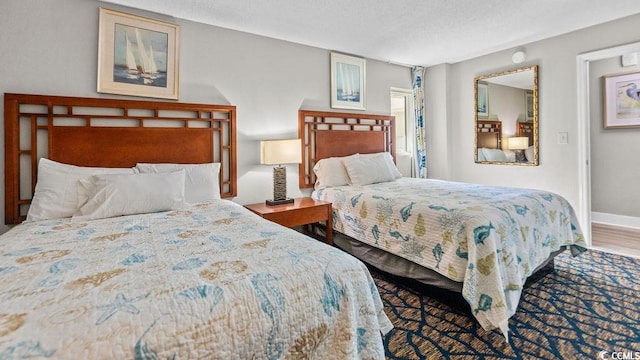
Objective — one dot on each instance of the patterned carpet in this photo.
(587, 305)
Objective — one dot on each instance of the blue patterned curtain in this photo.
(421, 142)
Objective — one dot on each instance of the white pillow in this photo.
(481, 155)
(367, 169)
(201, 180)
(494, 154)
(55, 195)
(388, 160)
(529, 154)
(112, 195)
(330, 172)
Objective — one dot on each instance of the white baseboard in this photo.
(617, 220)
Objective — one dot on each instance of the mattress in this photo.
(210, 281)
(491, 239)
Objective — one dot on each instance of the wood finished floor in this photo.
(616, 239)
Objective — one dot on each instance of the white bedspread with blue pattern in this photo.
(210, 281)
(490, 238)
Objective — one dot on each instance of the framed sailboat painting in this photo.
(137, 56)
(348, 83)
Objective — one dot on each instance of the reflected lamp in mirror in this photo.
(280, 152)
(519, 144)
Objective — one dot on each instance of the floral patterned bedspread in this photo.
(490, 238)
(210, 281)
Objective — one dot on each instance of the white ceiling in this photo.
(418, 32)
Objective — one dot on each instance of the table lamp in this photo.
(279, 152)
(519, 144)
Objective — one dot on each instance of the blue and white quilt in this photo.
(211, 281)
(490, 238)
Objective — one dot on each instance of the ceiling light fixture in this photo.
(518, 57)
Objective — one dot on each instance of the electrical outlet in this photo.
(563, 138)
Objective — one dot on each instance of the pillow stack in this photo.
(87, 193)
(356, 170)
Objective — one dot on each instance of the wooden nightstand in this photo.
(302, 212)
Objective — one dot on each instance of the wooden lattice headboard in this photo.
(526, 129)
(489, 134)
(327, 134)
(110, 133)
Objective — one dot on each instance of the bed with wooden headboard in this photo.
(335, 134)
(440, 233)
(110, 133)
(204, 279)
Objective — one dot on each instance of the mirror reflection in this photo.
(506, 121)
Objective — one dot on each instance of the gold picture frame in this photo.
(137, 56)
(348, 82)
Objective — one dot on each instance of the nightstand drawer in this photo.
(297, 217)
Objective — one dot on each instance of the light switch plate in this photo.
(630, 59)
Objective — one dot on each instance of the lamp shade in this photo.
(518, 143)
(277, 152)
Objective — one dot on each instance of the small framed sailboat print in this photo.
(348, 82)
(137, 56)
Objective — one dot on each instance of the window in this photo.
(402, 109)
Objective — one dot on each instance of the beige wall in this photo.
(50, 47)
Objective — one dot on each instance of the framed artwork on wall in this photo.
(483, 100)
(528, 101)
(137, 56)
(621, 100)
(348, 83)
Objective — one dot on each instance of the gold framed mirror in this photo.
(506, 117)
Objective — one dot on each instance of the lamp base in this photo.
(279, 202)
(279, 187)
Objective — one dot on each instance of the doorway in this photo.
(584, 131)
